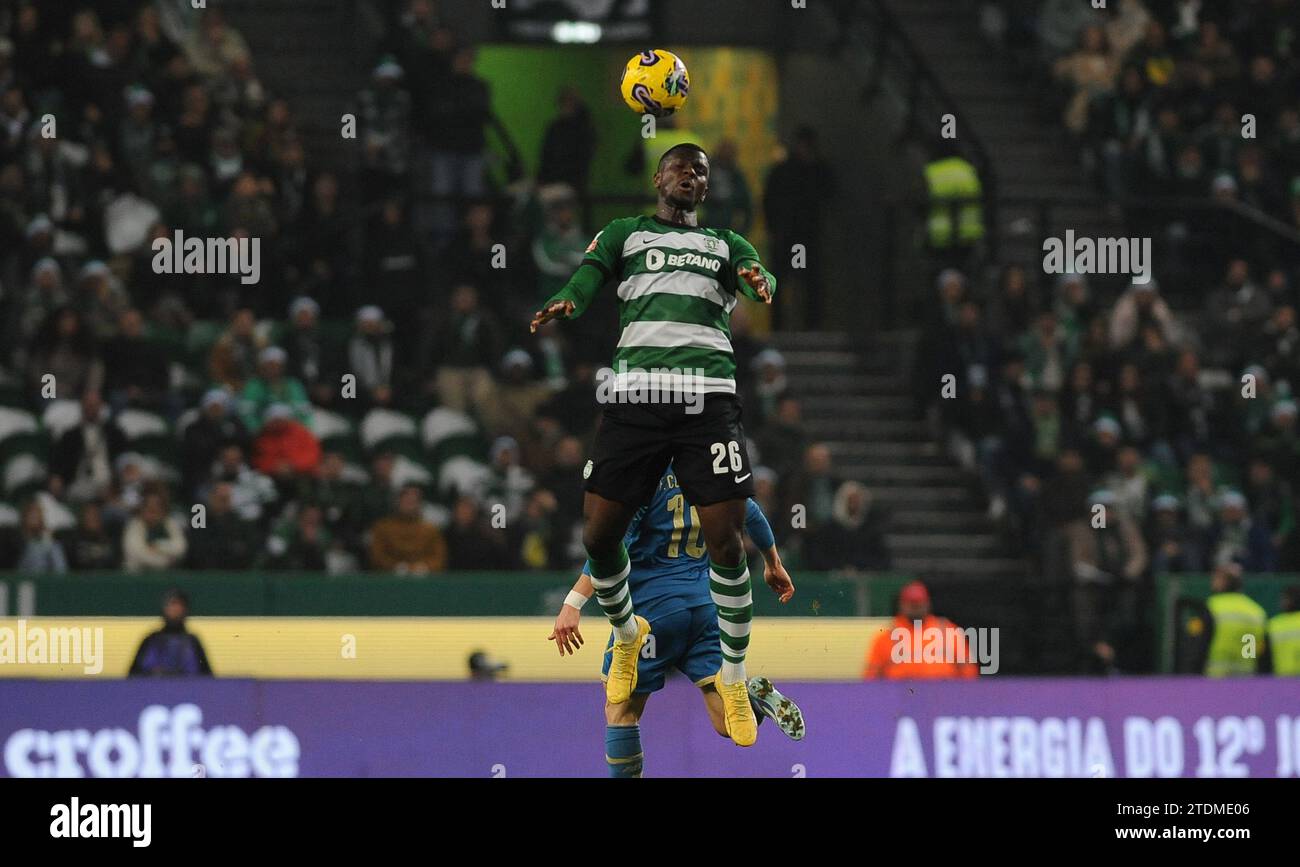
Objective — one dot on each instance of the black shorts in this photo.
(635, 443)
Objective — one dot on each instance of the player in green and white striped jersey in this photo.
(671, 397)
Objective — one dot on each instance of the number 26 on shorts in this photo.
(728, 451)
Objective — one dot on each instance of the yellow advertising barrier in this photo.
(402, 648)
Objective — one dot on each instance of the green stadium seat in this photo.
(463, 475)
(448, 433)
(149, 434)
(24, 474)
(389, 430)
(336, 434)
(59, 417)
(409, 471)
(20, 432)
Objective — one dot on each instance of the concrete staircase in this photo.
(1030, 155)
(857, 399)
(318, 66)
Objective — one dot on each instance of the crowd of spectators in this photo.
(374, 401)
(1118, 439)
(1174, 99)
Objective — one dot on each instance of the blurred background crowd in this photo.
(375, 401)
(1164, 410)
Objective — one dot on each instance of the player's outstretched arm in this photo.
(601, 263)
(566, 634)
(553, 310)
(752, 279)
(758, 280)
(760, 531)
(775, 576)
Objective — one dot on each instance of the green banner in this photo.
(458, 594)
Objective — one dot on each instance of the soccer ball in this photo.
(655, 82)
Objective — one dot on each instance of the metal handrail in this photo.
(922, 84)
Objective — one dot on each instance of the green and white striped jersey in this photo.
(677, 286)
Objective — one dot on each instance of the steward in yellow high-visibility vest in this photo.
(1284, 635)
(1236, 627)
(955, 189)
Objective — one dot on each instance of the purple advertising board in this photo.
(1138, 727)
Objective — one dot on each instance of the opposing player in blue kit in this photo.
(669, 580)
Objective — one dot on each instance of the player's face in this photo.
(683, 182)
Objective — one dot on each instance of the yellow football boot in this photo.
(737, 712)
(622, 664)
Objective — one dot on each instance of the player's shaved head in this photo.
(686, 149)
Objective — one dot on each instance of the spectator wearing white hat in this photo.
(309, 358)
(519, 393)
(45, 294)
(138, 133)
(384, 118)
(216, 427)
(272, 385)
(101, 298)
(511, 483)
(370, 354)
(1141, 304)
(769, 385)
(1174, 546)
(1237, 538)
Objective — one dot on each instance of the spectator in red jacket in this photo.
(285, 447)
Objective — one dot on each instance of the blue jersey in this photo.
(665, 546)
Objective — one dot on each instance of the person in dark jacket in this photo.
(215, 428)
(81, 462)
(172, 651)
(137, 367)
(794, 202)
(854, 538)
(471, 543)
(569, 144)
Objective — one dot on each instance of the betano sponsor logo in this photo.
(658, 259)
(168, 742)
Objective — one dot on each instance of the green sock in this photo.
(729, 586)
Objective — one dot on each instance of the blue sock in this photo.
(623, 750)
(758, 711)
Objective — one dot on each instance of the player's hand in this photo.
(560, 309)
(566, 636)
(778, 579)
(758, 281)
